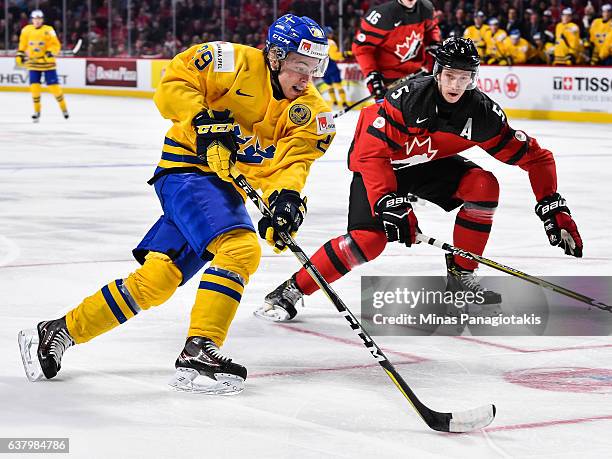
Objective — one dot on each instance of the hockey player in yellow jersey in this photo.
(517, 49)
(605, 51)
(495, 53)
(332, 75)
(231, 106)
(477, 33)
(568, 47)
(600, 29)
(544, 49)
(38, 46)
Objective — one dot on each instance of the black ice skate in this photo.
(36, 117)
(66, 114)
(459, 279)
(279, 305)
(50, 340)
(201, 368)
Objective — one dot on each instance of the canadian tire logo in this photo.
(512, 86)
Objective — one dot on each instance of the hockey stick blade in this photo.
(514, 272)
(444, 422)
(470, 420)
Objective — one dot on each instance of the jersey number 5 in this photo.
(498, 111)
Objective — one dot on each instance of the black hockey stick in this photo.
(393, 85)
(463, 421)
(514, 272)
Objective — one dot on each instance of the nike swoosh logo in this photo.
(397, 24)
(240, 93)
(419, 120)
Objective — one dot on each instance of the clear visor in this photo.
(456, 78)
(306, 65)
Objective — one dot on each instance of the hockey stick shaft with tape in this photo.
(464, 421)
(514, 272)
(393, 85)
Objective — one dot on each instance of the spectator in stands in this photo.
(535, 26)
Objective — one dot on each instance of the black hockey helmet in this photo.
(458, 53)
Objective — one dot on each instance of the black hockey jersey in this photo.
(392, 39)
(414, 125)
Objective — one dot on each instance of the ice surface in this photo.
(74, 202)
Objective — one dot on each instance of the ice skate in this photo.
(42, 349)
(201, 368)
(279, 305)
(66, 114)
(36, 117)
(464, 280)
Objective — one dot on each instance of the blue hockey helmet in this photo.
(328, 30)
(300, 35)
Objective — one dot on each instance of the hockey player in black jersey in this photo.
(410, 144)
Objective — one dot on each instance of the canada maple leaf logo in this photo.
(409, 48)
(417, 151)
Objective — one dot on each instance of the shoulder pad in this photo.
(383, 16)
(428, 9)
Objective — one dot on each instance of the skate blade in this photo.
(28, 347)
(270, 313)
(189, 380)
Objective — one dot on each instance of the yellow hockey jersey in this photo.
(334, 51)
(35, 42)
(519, 53)
(477, 35)
(495, 51)
(278, 139)
(598, 32)
(568, 47)
(605, 49)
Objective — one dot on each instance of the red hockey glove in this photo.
(559, 224)
(398, 219)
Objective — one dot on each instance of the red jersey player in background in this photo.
(392, 40)
(410, 144)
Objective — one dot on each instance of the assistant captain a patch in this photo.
(299, 114)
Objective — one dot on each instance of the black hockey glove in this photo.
(432, 48)
(376, 85)
(288, 211)
(215, 142)
(398, 219)
(559, 224)
(48, 54)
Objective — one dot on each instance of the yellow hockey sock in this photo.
(237, 255)
(216, 303)
(35, 90)
(56, 90)
(341, 93)
(332, 96)
(150, 285)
